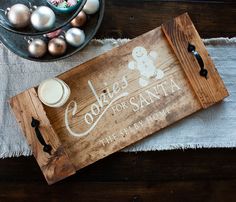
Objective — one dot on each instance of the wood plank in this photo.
(178, 175)
(131, 18)
(55, 166)
(176, 165)
(197, 191)
(189, 175)
(181, 32)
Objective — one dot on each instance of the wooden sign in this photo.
(119, 98)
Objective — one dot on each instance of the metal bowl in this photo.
(62, 19)
(18, 43)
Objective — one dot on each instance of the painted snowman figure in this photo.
(145, 64)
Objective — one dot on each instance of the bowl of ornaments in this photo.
(53, 38)
(64, 6)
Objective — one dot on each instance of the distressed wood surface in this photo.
(55, 166)
(131, 18)
(110, 68)
(181, 32)
(111, 108)
(167, 176)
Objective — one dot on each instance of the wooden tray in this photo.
(121, 97)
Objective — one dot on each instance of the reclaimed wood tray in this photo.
(121, 97)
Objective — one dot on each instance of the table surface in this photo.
(177, 175)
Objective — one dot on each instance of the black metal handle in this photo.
(46, 147)
(192, 49)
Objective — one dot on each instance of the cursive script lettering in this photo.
(98, 109)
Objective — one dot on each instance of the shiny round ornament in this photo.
(75, 36)
(37, 48)
(19, 15)
(79, 20)
(43, 18)
(57, 46)
(91, 7)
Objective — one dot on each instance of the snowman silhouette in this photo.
(145, 64)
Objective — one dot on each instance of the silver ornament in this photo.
(37, 48)
(43, 18)
(19, 15)
(75, 37)
(91, 7)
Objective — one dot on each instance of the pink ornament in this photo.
(54, 34)
(71, 2)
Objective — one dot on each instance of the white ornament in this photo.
(75, 36)
(19, 15)
(43, 18)
(145, 63)
(91, 7)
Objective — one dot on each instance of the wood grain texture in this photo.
(110, 68)
(109, 100)
(55, 166)
(180, 32)
(167, 176)
(131, 18)
(126, 192)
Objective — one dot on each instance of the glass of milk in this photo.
(54, 92)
